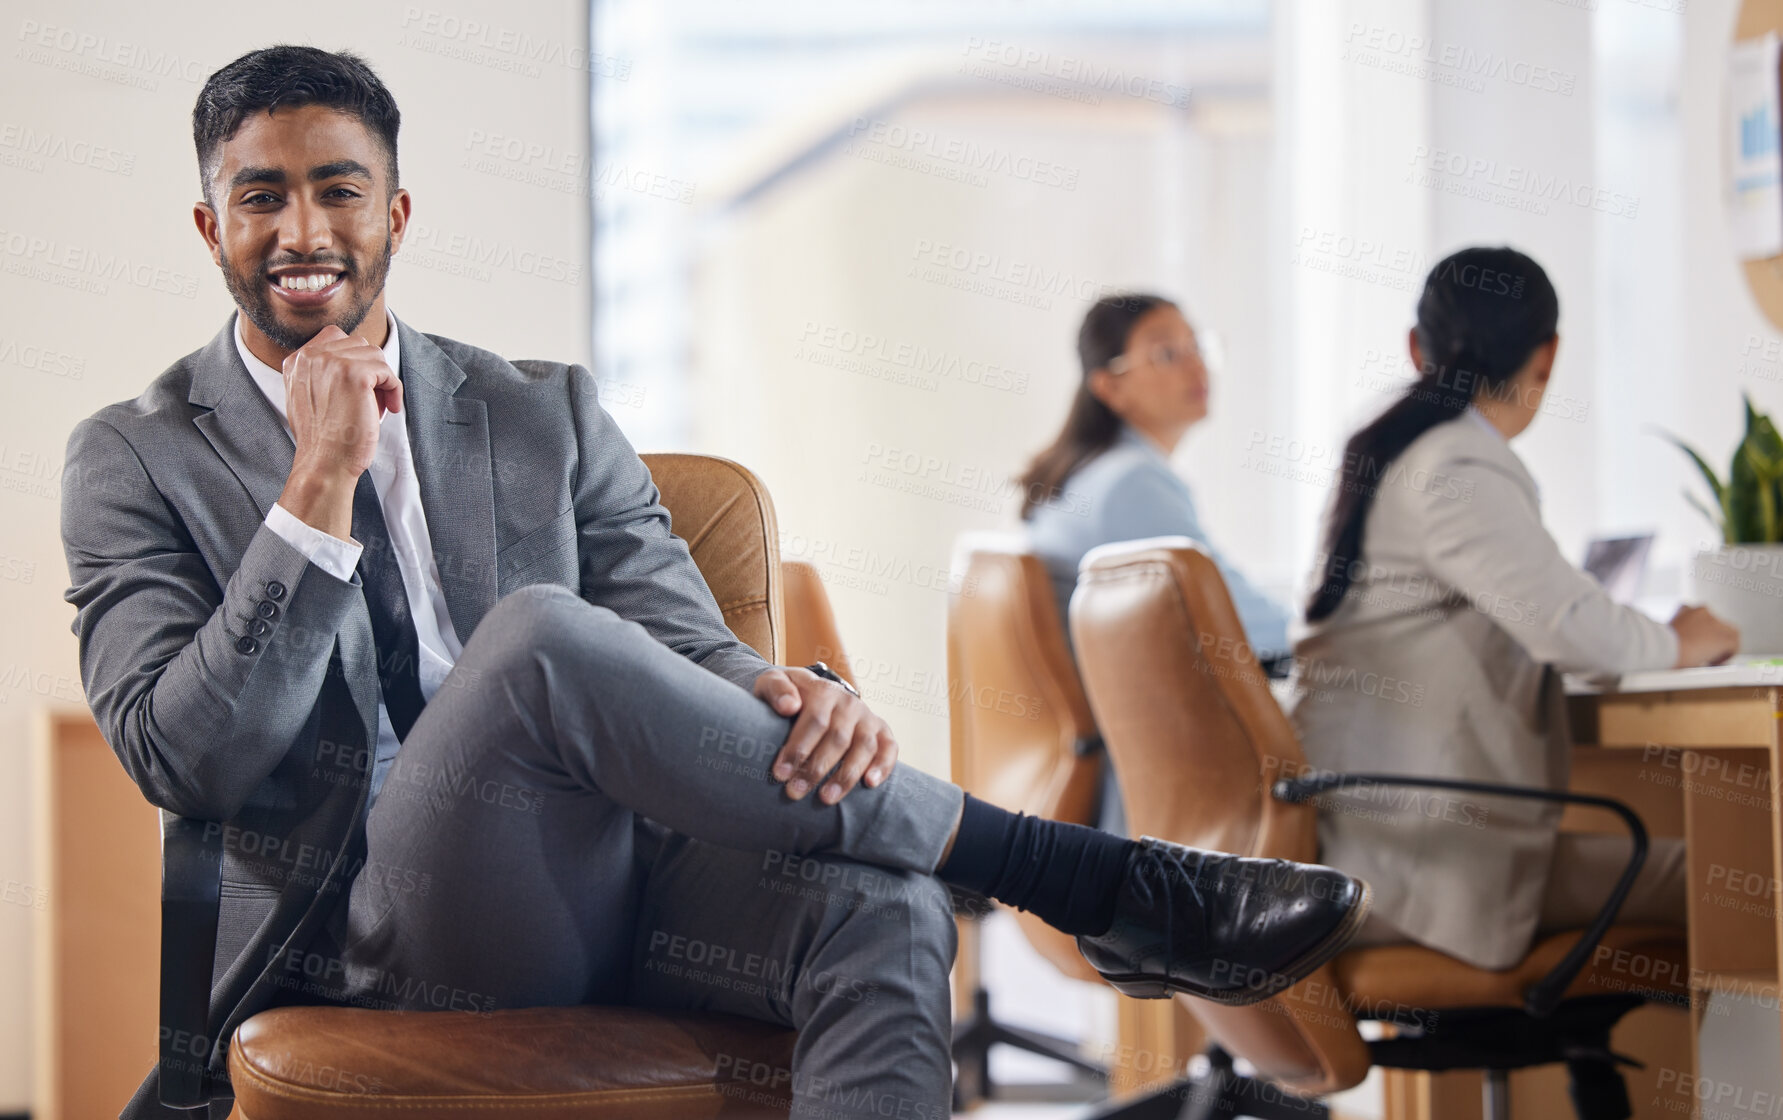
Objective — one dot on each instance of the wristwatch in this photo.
(830, 674)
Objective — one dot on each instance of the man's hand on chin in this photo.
(835, 730)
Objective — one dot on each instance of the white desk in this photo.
(1744, 672)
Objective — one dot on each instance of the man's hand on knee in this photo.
(835, 731)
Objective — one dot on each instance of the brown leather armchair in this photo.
(544, 1062)
(1207, 758)
(811, 632)
(1022, 738)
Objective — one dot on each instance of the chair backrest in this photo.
(1018, 714)
(724, 514)
(1198, 739)
(811, 631)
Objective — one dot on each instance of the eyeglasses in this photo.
(1166, 354)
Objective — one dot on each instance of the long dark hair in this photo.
(1482, 314)
(1090, 426)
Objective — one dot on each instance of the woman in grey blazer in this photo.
(1441, 617)
(1107, 476)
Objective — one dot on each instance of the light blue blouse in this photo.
(1126, 493)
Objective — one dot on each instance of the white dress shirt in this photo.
(399, 492)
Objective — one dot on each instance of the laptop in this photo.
(1620, 564)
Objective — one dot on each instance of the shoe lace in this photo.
(1171, 865)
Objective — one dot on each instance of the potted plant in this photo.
(1741, 578)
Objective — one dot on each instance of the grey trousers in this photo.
(581, 815)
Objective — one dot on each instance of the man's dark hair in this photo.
(287, 77)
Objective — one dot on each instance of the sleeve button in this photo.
(258, 627)
(245, 644)
(267, 610)
(275, 590)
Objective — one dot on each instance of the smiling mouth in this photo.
(307, 288)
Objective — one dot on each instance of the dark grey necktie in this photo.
(392, 625)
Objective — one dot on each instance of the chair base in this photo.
(1494, 1040)
(1217, 1092)
(973, 1038)
(1499, 1040)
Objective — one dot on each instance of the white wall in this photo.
(1724, 335)
(97, 167)
(1655, 318)
(805, 299)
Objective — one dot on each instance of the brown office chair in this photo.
(541, 1062)
(811, 631)
(1023, 739)
(1209, 759)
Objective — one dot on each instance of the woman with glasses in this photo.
(1107, 476)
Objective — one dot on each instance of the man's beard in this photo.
(251, 296)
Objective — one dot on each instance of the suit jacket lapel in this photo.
(246, 432)
(449, 439)
(241, 424)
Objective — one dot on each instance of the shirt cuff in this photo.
(336, 557)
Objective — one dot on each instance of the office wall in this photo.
(1724, 336)
(104, 281)
(1595, 147)
(888, 344)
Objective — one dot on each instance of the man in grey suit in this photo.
(408, 621)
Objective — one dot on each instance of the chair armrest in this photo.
(191, 872)
(1543, 995)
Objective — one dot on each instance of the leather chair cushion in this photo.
(811, 631)
(1631, 958)
(296, 1062)
(724, 514)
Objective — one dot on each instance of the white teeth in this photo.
(311, 283)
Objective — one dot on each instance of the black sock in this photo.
(1067, 874)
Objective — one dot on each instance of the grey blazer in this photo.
(524, 479)
(1443, 662)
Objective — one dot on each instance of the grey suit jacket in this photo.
(524, 479)
(1442, 662)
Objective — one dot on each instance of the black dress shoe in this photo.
(1225, 928)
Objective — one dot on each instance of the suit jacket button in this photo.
(245, 644)
(258, 627)
(275, 590)
(267, 610)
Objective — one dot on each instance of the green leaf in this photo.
(1762, 448)
(1742, 501)
(1776, 490)
(1724, 523)
(1765, 448)
(1708, 472)
(1767, 512)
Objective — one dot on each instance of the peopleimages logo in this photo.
(33, 147)
(1462, 61)
(1063, 75)
(103, 56)
(927, 365)
(1510, 184)
(973, 160)
(502, 48)
(84, 269)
